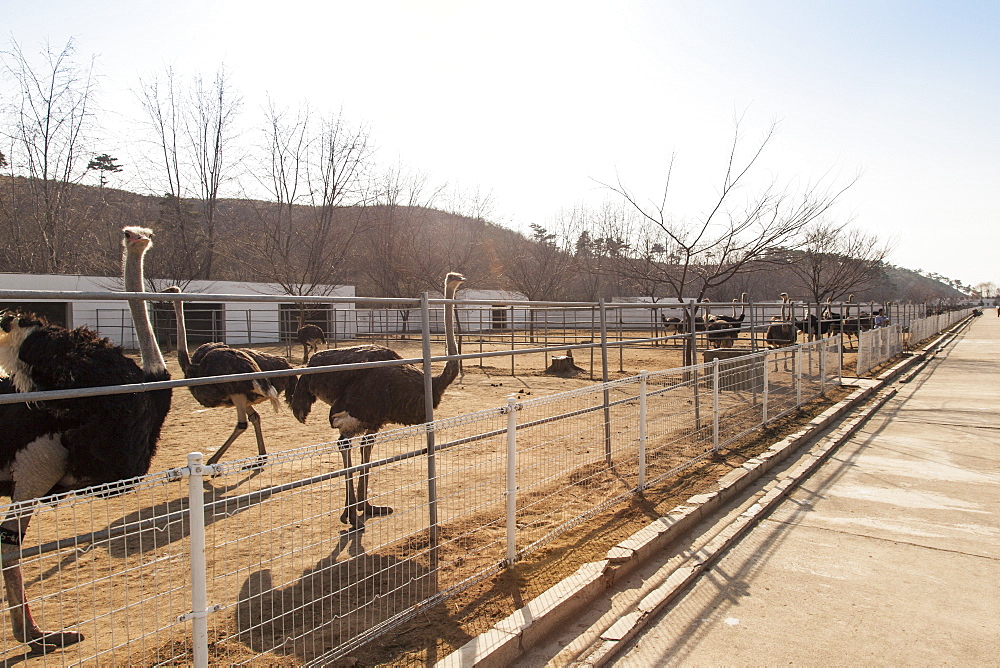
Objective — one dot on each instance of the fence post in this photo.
(764, 415)
(798, 376)
(691, 358)
(513, 343)
(822, 366)
(425, 323)
(715, 404)
(643, 375)
(511, 480)
(199, 573)
(604, 379)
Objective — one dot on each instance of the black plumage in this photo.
(310, 336)
(218, 359)
(373, 397)
(71, 443)
(362, 401)
(108, 438)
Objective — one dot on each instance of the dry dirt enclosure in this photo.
(294, 583)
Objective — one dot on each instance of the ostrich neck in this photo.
(152, 358)
(450, 372)
(183, 357)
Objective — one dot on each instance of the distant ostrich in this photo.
(365, 400)
(781, 332)
(726, 339)
(310, 336)
(218, 359)
(847, 324)
(673, 325)
(73, 443)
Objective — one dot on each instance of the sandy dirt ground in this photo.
(277, 617)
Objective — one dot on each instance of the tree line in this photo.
(303, 202)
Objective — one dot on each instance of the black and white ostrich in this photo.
(218, 359)
(73, 443)
(310, 336)
(363, 401)
(717, 334)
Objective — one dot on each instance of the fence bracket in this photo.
(188, 616)
(185, 472)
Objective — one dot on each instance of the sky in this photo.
(539, 103)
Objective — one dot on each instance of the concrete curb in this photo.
(513, 636)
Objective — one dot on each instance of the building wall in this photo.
(243, 322)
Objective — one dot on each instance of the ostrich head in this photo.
(451, 282)
(137, 239)
(15, 327)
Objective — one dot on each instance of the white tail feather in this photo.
(272, 394)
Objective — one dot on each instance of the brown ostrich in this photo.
(310, 336)
(363, 401)
(781, 332)
(218, 359)
(73, 443)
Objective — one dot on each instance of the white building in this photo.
(236, 323)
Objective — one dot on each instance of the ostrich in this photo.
(726, 339)
(73, 443)
(310, 336)
(846, 324)
(673, 324)
(218, 359)
(781, 332)
(362, 401)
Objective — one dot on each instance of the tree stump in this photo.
(562, 364)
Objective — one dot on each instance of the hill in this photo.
(386, 249)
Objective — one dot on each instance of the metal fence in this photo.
(924, 328)
(255, 566)
(877, 346)
(239, 566)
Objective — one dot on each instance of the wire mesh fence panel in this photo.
(110, 567)
(877, 346)
(678, 421)
(471, 466)
(741, 385)
(290, 576)
(573, 456)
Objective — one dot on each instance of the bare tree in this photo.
(694, 256)
(536, 266)
(596, 246)
(192, 130)
(210, 132)
(162, 100)
(834, 260)
(49, 127)
(314, 170)
(987, 289)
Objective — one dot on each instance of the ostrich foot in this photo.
(357, 521)
(375, 511)
(48, 642)
(257, 464)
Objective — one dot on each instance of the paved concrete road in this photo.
(888, 555)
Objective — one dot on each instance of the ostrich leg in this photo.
(36, 471)
(365, 508)
(240, 402)
(350, 515)
(254, 418)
